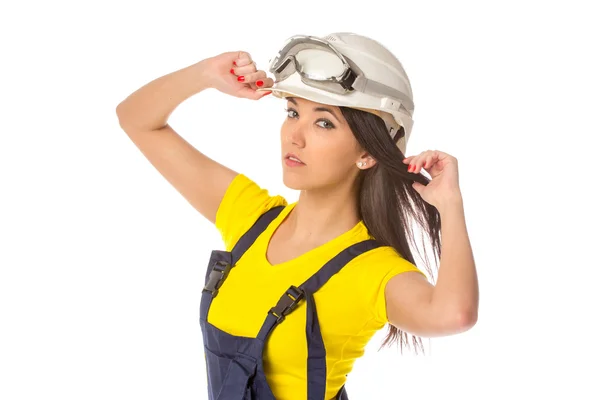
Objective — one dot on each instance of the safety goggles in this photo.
(322, 66)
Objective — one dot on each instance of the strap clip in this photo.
(287, 303)
(217, 276)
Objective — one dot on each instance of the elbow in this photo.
(119, 109)
(450, 322)
(465, 319)
(119, 112)
(122, 119)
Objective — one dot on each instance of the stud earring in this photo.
(362, 164)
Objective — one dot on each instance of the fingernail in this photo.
(266, 93)
(410, 167)
(234, 64)
(231, 70)
(259, 83)
(241, 78)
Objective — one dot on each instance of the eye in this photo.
(289, 110)
(328, 124)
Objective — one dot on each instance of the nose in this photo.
(295, 135)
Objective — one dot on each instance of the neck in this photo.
(323, 214)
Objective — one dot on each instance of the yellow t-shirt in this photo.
(350, 306)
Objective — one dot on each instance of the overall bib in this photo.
(234, 364)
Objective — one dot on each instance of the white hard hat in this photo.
(382, 86)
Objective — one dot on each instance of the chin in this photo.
(295, 181)
(301, 178)
(305, 181)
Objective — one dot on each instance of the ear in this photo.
(366, 161)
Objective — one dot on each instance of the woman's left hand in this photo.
(443, 168)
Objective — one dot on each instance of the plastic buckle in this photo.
(287, 303)
(217, 277)
(390, 104)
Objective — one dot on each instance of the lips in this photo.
(293, 157)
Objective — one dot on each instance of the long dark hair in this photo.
(389, 203)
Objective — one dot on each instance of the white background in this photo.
(102, 261)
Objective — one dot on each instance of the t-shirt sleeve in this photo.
(396, 266)
(243, 203)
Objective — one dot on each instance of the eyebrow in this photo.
(329, 110)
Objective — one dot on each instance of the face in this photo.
(319, 136)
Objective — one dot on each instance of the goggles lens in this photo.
(312, 58)
(319, 64)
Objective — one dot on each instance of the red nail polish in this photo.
(231, 70)
(266, 93)
(234, 64)
(241, 78)
(259, 83)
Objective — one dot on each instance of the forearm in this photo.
(150, 106)
(456, 293)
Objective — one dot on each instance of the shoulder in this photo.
(371, 272)
(382, 260)
(243, 203)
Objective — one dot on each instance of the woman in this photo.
(301, 288)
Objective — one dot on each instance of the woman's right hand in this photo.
(235, 73)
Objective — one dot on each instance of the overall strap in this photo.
(290, 299)
(315, 282)
(253, 233)
(316, 361)
(221, 262)
(316, 365)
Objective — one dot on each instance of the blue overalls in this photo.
(234, 364)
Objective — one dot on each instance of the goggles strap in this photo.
(378, 89)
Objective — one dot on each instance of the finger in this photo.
(264, 83)
(409, 162)
(408, 159)
(244, 70)
(433, 158)
(419, 161)
(243, 59)
(253, 94)
(427, 162)
(253, 77)
(414, 164)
